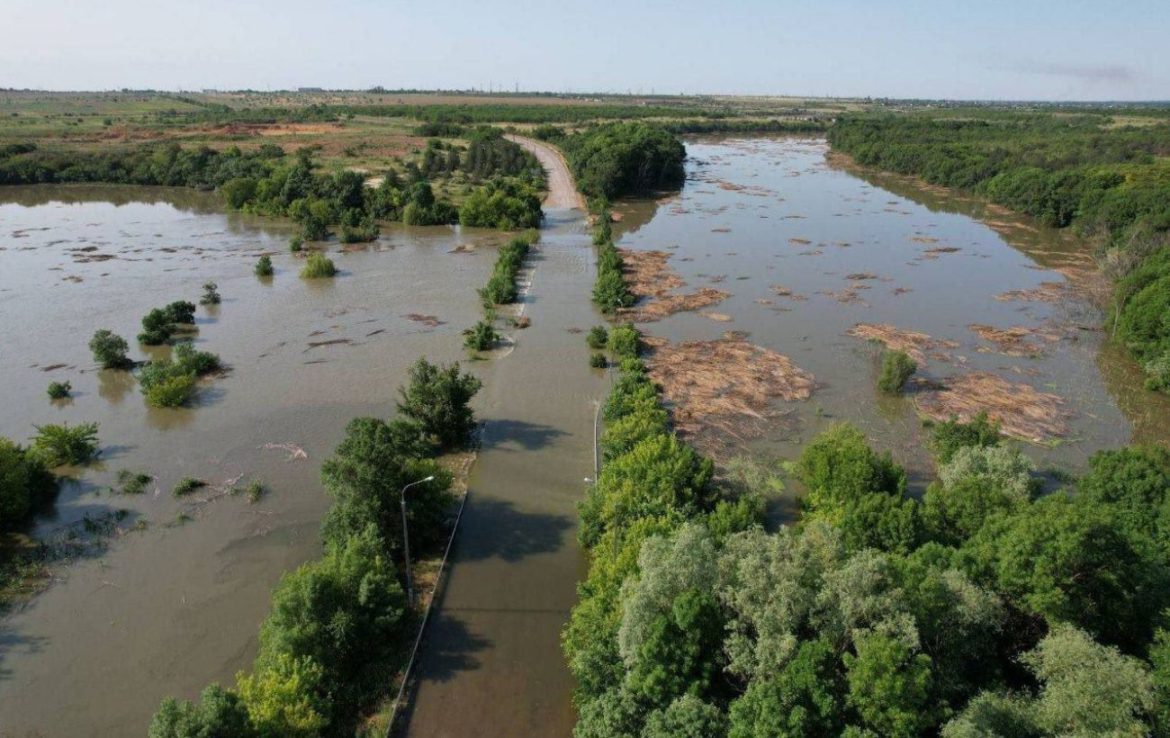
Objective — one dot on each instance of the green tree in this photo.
(889, 685)
(438, 398)
(219, 713)
(109, 350)
(25, 482)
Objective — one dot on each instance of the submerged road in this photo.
(491, 664)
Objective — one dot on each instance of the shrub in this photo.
(254, 491)
(186, 486)
(597, 337)
(897, 366)
(295, 244)
(59, 390)
(218, 712)
(109, 350)
(597, 360)
(501, 286)
(210, 294)
(318, 266)
(172, 390)
(170, 383)
(25, 481)
(952, 435)
(1159, 371)
(480, 337)
(161, 323)
(438, 398)
(623, 341)
(263, 266)
(61, 444)
(133, 483)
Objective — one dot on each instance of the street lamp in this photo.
(406, 540)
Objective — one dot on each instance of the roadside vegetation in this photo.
(336, 635)
(501, 289)
(610, 291)
(619, 159)
(1111, 184)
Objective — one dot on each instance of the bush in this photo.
(318, 266)
(597, 360)
(161, 323)
(1158, 370)
(218, 713)
(952, 435)
(59, 390)
(170, 383)
(263, 266)
(171, 390)
(25, 482)
(438, 398)
(597, 337)
(186, 486)
(501, 286)
(210, 294)
(623, 341)
(480, 337)
(897, 366)
(57, 445)
(109, 350)
(505, 204)
(296, 244)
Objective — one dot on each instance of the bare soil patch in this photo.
(1045, 292)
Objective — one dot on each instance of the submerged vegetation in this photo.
(109, 350)
(897, 366)
(318, 266)
(57, 445)
(172, 382)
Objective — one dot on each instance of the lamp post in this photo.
(406, 540)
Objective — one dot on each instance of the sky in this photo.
(974, 49)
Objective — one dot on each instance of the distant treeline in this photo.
(618, 159)
(267, 182)
(1112, 184)
(461, 114)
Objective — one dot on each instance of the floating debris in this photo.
(430, 321)
(294, 451)
(912, 342)
(1013, 341)
(1044, 292)
(649, 277)
(724, 388)
(1020, 410)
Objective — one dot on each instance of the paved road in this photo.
(491, 664)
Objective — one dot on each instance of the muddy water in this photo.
(168, 609)
(491, 664)
(759, 213)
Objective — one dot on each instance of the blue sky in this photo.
(977, 49)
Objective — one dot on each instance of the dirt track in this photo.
(562, 193)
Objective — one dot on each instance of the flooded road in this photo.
(491, 664)
(171, 608)
(806, 251)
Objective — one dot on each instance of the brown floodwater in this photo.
(168, 609)
(761, 213)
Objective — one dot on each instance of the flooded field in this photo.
(773, 248)
(177, 604)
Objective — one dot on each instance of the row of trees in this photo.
(268, 183)
(333, 641)
(610, 290)
(1109, 183)
(981, 609)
